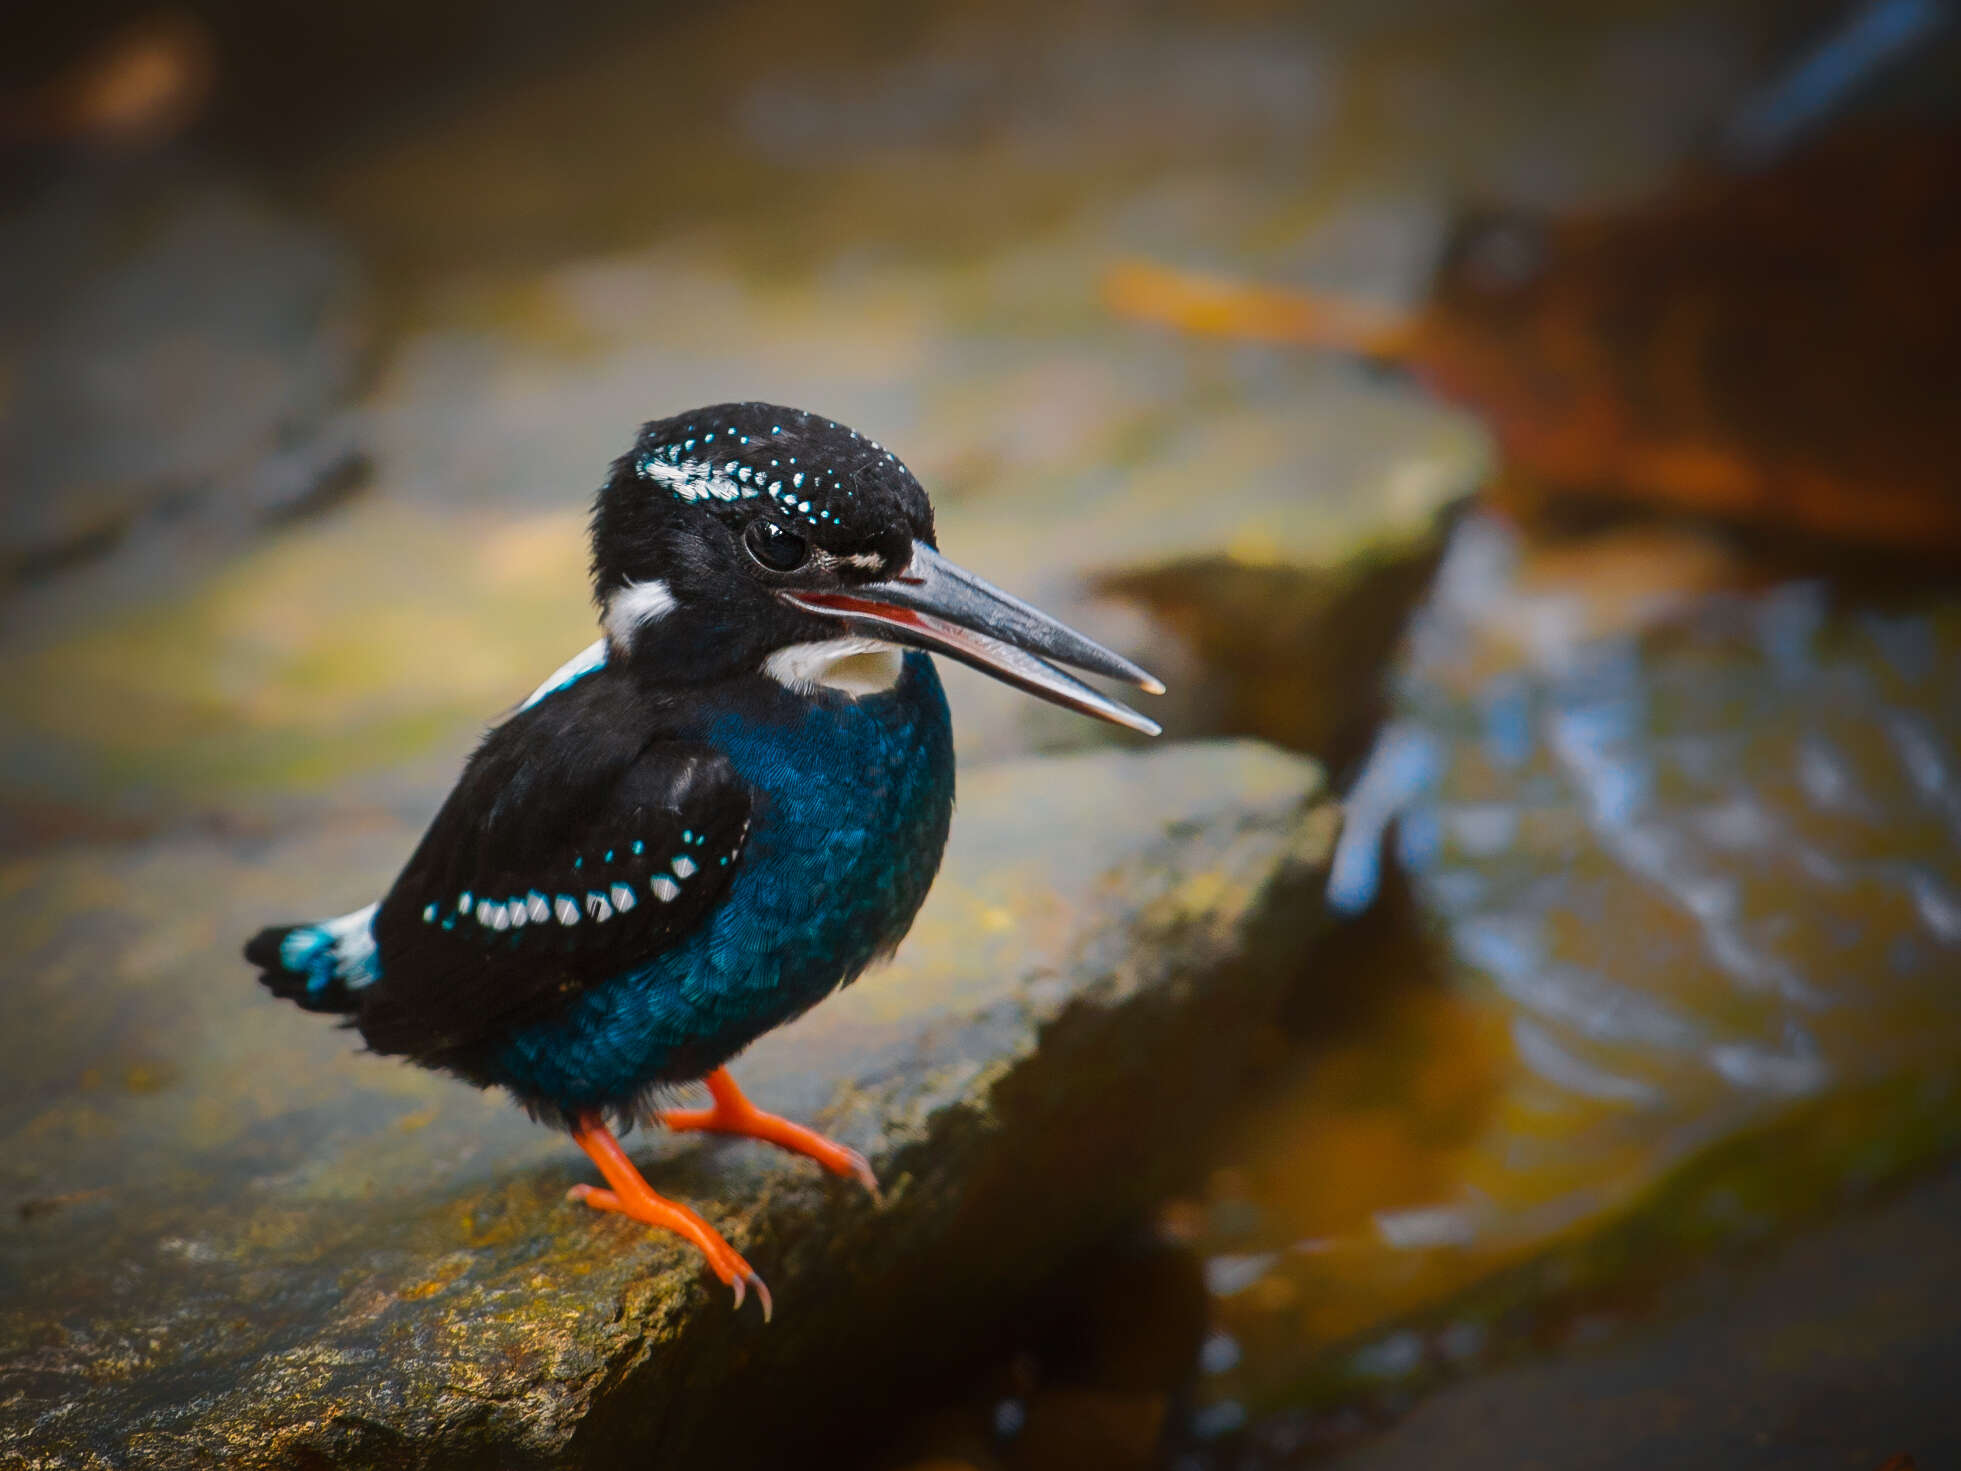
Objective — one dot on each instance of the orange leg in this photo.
(633, 1196)
(732, 1113)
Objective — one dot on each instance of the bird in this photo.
(723, 810)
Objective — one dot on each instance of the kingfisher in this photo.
(723, 810)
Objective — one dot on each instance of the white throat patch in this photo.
(853, 666)
(636, 604)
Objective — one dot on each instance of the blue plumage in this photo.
(854, 799)
(309, 951)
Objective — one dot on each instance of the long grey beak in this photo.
(937, 605)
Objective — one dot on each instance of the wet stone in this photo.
(1215, 513)
(1251, 523)
(1093, 1376)
(230, 1236)
(1262, 558)
(1258, 546)
(176, 348)
(1874, 1300)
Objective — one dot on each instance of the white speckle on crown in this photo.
(691, 480)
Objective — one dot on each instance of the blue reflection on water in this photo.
(1672, 855)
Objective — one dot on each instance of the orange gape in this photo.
(730, 1113)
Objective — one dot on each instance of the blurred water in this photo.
(1684, 841)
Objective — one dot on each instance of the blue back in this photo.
(853, 802)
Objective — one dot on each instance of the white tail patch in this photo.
(341, 949)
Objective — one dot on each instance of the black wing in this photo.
(578, 842)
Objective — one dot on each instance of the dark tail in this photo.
(323, 966)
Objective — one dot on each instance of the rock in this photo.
(1131, 1320)
(1091, 1430)
(1093, 1374)
(1837, 1351)
(1260, 559)
(1273, 550)
(188, 353)
(347, 661)
(1255, 528)
(234, 1238)
(1252, 526)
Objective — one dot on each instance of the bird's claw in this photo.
(750, 1278)
(632, 1196)
(860, 1169)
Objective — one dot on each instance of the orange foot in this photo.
(732, 1113)
(633, 1196)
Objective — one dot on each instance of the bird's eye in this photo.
(777, 549)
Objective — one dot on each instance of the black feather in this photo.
(542, 804)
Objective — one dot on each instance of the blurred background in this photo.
(1545, 415)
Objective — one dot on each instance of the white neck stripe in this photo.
(634, 606)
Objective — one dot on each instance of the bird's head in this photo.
(746, 537)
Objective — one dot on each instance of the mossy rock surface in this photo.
(233, 1238)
